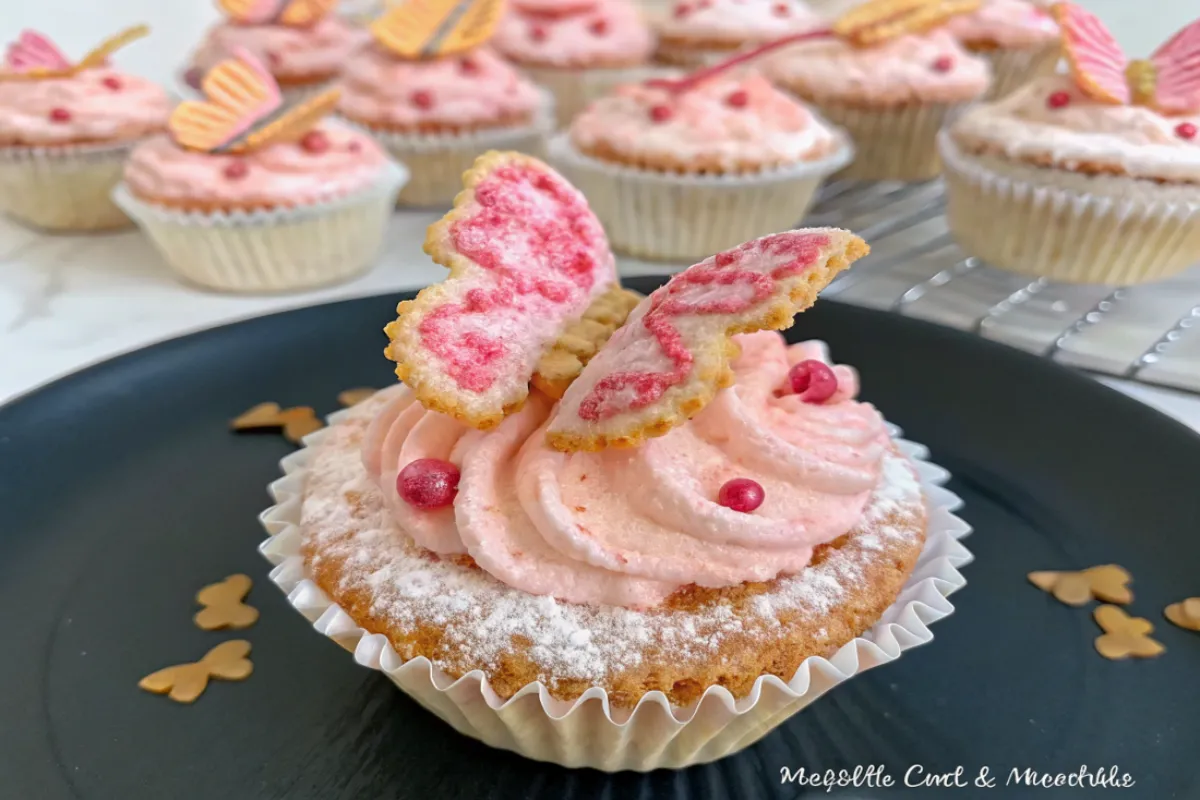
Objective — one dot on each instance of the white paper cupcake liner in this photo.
(668, 217)
(285, 249)
(574, 88)
(64, 188)
(1013, 67)
(1070, 227)
(590, 731)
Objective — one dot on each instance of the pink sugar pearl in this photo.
(813, 380)
(193, 77)
(428, 483)
(741, 494)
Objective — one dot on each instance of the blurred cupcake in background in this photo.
(578, 49)
(1018, 37)
(437, 104)
(66, 129)
(891, 79)
(301, 42)
(252, 193)
(699, 32)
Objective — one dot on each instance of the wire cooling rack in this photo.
(1147, 333)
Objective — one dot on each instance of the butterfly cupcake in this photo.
(1018, 37)
(699, 32)
(437, 98)
(1092, 177)
(250, 193)
(891, 75)
(302, 42)
(66, 129)
(578, 49)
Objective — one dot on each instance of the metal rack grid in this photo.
(1147, 333)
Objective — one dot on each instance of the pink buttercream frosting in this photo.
(604, 33)
(932, 67)
(279, 175)
(316, 52)
(738, 21)
(726, 122)
(468, 90)
(1008, 23)
(629, 527)
(100, 105)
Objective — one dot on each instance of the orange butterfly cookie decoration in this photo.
(34, 57)
(428, 28)
(244, 110)
(1168, 81)
(880, 21)
(294, 13)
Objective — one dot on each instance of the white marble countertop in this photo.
(70, 301)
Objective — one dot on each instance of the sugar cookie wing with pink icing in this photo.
(526, 258)
(673, 353)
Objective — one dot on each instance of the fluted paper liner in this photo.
(64, 188)
(1013, 67)
(1126, 231)
(589, 731)
(575, 87)
(285, 249)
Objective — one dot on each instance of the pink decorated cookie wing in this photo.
(526, 257)
(673, 353)
(32, 52)
(1177, 72)
(1097, 62)
(251, 12)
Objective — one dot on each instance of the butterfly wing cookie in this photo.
(673, 353)
(1177, 72)
(32, 52)
(526, 258)
(424, 28)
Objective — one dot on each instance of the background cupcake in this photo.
(677, 174)
(436, 114)
(699, 32)
(575, 48)
(1018, 37)
(301, 42)
(66, 130)
(260, 196)
(889, 88)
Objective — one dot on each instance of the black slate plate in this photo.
(122, 492)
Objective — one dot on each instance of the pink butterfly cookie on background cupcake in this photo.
(302, 42)
(1092, 177)
(66, 129)
(251, 193)
(1018, 37)
(438, 99)
(699, 32)
(577, 49)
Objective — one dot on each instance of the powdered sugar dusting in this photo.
(343, 517)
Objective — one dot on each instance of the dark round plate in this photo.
(123, 492)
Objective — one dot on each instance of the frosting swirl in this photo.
(1006, 23)
(299, 54)
(610, 33)
(101, 105)
(734, 22)
(629, 527)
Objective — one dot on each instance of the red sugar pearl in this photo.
(661, 113)
(741, 494)
(354, 147)
(599, 27)
(943, 64)
(1185, 130)
(428, 483)
(682, 10)
(112, 82)
(272, 58)
(468, 66)
(537, 33)
(738, 99)
(813, 380)
(422, 99)
(781, 10)
(1058, 100)
(236, 170)
(314, 142)
(60, 115)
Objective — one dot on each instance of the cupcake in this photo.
(892, 90)
(575, 48)
(66, 130)
(676, 174)
(1018, 37)
(251, 194)
(1088, 178)
(482, 544)
(301, 42)
(436, 114)
(701, 32)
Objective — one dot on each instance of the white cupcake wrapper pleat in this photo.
(671, 217)
(1013, 67)
(1069, 227)
(283, 249)
(589, 731)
